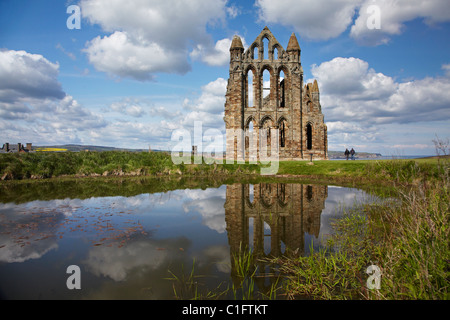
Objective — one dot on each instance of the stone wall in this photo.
(284, 109)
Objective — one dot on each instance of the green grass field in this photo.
(110, 163)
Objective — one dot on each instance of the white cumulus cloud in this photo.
(148, 37)
(361, 105)
(212, 98)
(27, 75)
(393, 15)
(121, 55)
(326, 19)
(312, 19)
(217, 55)
(352, 90)
(31, 95)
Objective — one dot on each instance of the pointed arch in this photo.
(267, 195)
(250, 121)
(265, 54)
(281, 118)
(249, 191)
(265, 120)
(266, 124)
(309, 192)
(281, 194)
(309, 134)
(308, 106)
(251, 80)
(254, 51)
(266, 78)
(277, 51)
(250, 139)
(282, 87)
(283, 130)
(280, 51)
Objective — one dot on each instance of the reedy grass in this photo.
(334, 271)
(406, 238)
(47, 165)
(247, 275)
(43, 165)
(416, 255)
(188, 286)
(244, 264)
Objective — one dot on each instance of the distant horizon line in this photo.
(156, 149)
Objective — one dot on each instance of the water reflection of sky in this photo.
(123, 245)
(338, 200)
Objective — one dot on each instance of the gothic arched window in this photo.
(308, 136)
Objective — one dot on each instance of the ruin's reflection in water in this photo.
(125, 245)
(272, 219)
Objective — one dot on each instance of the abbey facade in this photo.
(266, 94)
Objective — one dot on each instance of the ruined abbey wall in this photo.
(282, 103)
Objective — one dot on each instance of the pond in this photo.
(129, 246)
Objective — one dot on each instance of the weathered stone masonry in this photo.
(286, 105)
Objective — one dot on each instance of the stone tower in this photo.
(265, 91)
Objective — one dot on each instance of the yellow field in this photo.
(51, 149)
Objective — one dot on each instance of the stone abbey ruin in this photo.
(266, 99)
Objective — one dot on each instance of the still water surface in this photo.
(125, 246)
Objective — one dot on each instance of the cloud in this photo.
(207, 119)
(353, 91)
(19, 223)
(133, 133)
(51, 122)
(170, 23)
(165, 113)
(144, 255)
(26, 75)
(210, 205)
(67, 53)
(206, 203)
(212, 98)
(121, 55)
(326, 19)
(217, 55)
(363, 106)
(208, 108)
(61, 114)
(128, 106)
(32, 110)
(410, 146)
(32, 97)
(313, 19)
(446, 68)
(148, 37)
(353, 78)
(393, 16)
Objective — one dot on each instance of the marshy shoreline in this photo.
(407, 239)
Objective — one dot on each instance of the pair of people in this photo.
(350, 153)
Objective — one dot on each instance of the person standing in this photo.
(346, 153)
(352, 153)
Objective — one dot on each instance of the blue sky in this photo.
(138, 70)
